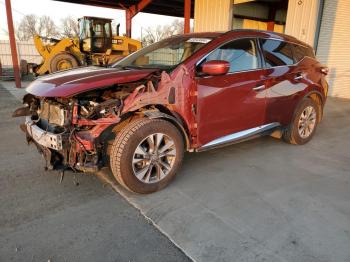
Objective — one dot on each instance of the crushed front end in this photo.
(66, 131)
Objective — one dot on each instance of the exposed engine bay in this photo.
(69, 132)
(73, 121)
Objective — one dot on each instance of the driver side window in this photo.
(242, 55)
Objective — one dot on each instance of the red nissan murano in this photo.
(190, 92)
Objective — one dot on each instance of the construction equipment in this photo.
(95, 46)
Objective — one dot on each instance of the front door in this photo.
(235, 102)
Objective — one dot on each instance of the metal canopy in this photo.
(159, 7)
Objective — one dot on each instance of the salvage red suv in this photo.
(191, 92)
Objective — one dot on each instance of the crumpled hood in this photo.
(80, 80)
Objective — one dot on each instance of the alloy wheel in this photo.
(307, 122)
(154, 158)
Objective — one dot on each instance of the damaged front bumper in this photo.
(61, 151)
(43, 137)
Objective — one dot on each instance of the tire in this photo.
(23, 67)
(63, 61)
(128, 166)
(294, 133)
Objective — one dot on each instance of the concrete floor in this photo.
(261, 200)
(43, 220)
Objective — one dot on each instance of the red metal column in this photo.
(187, 16)
(132, 11)
(13, 43)
(128, 18)
(270, 26)
(271, 22)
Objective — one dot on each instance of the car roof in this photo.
(202, 34)
(249, 32)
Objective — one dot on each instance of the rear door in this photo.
(234, 102)
(283, 80)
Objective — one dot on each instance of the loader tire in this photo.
(63, 61)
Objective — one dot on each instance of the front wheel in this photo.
(146, 155)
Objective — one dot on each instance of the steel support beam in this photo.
(13, 43)
(131, 12)
(128, 18)
(272, 16)
(187, 16)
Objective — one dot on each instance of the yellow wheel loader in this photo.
(95, 46)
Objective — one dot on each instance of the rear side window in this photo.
(301, 51)
(277, 53)
(241, 54)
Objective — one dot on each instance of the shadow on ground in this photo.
(76, 220)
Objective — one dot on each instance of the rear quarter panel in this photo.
(284, 93)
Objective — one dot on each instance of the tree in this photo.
(31, 25)
(158, 33)
(27, 27)
(47, 27)
(70, 27)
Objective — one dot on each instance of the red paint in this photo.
(210, 106)
(216, 67)
(72, 82)
(228, 104)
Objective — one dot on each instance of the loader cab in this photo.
(95, 34)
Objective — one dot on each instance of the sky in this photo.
(58, 10)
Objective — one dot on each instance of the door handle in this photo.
(257, 88)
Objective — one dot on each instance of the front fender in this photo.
(173, 120)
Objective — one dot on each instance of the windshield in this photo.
(165, 54)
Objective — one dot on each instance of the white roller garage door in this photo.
(334, 45)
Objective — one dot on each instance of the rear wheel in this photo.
(63, 61)
(146, 155)
(304, 123)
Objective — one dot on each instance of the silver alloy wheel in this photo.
(154, 158)
(307, 122)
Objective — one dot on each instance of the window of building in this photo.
(241, 54)
(277, 53)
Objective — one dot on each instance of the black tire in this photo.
(23, 67)
(125, 144)
(291, 134)
(63, 61)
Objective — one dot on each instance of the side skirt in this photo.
(240, 136)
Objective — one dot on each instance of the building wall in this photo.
(334, 45)
(210, 15)
(26, 51)
(302, 18)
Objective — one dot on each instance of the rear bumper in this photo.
(42, 137)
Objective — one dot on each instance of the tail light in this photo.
(325, 70)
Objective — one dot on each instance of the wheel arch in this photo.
(151, 114)
(159, 112)
(317, 97)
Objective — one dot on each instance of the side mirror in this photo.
(216, 67)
